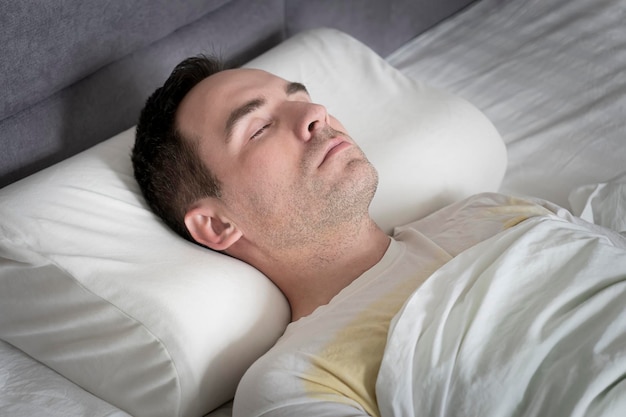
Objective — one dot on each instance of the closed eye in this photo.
(260, 132)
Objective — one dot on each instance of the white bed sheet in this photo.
(28, 388)
(550, 75)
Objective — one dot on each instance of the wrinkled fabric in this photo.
(531, 322)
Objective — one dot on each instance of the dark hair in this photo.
(166, 165)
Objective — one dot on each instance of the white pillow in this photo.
(93, 285)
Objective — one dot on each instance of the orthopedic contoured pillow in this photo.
(93, 285)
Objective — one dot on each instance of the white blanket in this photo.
(531, 322)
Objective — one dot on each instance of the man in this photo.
(243, 162)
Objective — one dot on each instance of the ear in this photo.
(210, 226)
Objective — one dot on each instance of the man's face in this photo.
(286, 167)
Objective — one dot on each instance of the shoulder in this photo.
(264, 383)
(467, 222)
(484, 206)
(276, 377)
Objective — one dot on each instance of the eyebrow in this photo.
(293, 88)
(240, 112)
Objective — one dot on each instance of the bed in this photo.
(117, 316)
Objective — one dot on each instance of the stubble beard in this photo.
(320, 211)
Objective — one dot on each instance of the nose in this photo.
(312, 118)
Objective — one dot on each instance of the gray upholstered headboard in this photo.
(76, 72)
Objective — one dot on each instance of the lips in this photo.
(333, 147)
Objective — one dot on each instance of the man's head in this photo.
(283, 169)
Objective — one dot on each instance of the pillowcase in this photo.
(93, 285)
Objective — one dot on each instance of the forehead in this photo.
(211, 100)
(232, 81)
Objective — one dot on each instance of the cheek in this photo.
(272, 159)
(260, 190)
(265, 162)
(266, 174)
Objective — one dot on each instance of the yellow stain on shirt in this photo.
(347, 368)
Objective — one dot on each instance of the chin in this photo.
(359, 190)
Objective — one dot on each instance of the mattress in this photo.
(551, 76)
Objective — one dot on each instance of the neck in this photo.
(311, 275)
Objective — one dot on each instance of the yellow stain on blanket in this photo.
(516, 211)
(348, 366)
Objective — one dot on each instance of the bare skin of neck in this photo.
(311, 275)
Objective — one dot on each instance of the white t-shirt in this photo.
(326, 364)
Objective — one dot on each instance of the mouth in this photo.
(333, 147)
